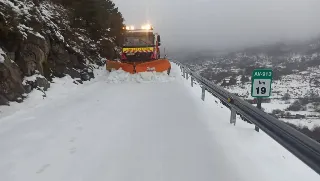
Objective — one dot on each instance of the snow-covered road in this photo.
(121, 131)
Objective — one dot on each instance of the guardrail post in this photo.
(259, 101)
(191, 81)
(233, 117)
(187, 75)
(183, 73)
(203, 93)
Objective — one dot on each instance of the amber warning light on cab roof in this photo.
(143, 27)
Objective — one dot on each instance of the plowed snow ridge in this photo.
(122, 127)
(120, 76)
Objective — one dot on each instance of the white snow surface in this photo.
(139, 128)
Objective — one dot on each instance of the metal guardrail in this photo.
(300, 145)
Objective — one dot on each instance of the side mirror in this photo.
(159, 39)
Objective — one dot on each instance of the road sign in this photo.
(261, 83)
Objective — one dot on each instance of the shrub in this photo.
(224, 83)
(232, 81)
(305, 101)
(277, 111)
(295, 106)
(312, 94)
(316, 106)
(286, 97)
(244, 79)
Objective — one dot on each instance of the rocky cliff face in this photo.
(45, 39)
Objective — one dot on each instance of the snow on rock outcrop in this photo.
(47, 39)
(1, 56)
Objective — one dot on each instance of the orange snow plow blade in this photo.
(117, 65)
(159, 65)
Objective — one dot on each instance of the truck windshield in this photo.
(138, 39)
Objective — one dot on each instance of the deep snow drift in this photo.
(124, 127)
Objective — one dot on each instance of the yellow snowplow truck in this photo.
(140, 52)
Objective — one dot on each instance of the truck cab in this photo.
(140, 45)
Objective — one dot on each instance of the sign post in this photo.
(261, 86)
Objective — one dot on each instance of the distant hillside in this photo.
(285, 59)
(296, 86)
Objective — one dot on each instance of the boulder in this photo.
(10, 80)
(73, 73)
(4, 101)
(43, 83)
(38, 81)
(27, 88)
(85, 76)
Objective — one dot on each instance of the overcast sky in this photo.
(220, 24)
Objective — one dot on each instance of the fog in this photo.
(224, 24)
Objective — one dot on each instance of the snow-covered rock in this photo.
(2, 54)
(48, 38)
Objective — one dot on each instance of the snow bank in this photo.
(60, 88)
(120, 76)
(311, 124)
